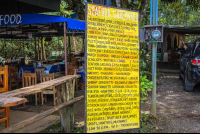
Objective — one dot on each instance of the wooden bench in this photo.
(65, 92)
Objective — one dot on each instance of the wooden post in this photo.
(69, 48)
(67, 108)
(64, 116)
(71, 96)
(65, 49)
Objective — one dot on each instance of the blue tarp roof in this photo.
(6, 20)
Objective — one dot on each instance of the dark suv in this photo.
(190, 66)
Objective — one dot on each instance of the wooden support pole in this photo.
(71, 107)
(65, 49)
(62, 93)
(69, 48)
(67, 108)
(38, 117)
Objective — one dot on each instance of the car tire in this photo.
(188, 86)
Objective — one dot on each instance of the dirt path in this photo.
(179, 110)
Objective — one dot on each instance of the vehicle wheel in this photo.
(188, 86)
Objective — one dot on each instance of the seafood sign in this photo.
(112, 69)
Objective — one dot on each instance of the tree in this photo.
(178, 14)
(194, 4)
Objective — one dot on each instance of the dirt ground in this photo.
(177, 111)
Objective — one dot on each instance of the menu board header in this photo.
(116, 14)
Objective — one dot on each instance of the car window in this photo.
(188, 50)
(197, 50)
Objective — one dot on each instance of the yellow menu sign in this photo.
(112, 76)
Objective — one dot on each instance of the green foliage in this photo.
(145, 61)
(194, 4)
(190, 38)
(147, 125)
(78, 6)
(145, 86)
(14, 48)
(78, 130)
(159, 75)
(145, 72)
(63, 12)
(178, 13)
(55, 128)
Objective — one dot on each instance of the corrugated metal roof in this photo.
(183, 29)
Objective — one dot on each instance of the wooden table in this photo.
(11, 98)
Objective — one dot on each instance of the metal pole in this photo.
(108, 2)
(156, 12)
(65, 49)
(151, 13)
(154, 59)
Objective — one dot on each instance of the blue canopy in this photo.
(6, 20)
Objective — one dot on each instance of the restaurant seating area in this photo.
(27, 73)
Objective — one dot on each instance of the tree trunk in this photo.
(45, 58)
(41, 55)
(38, 47)
(74, 45)
(144, 7)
